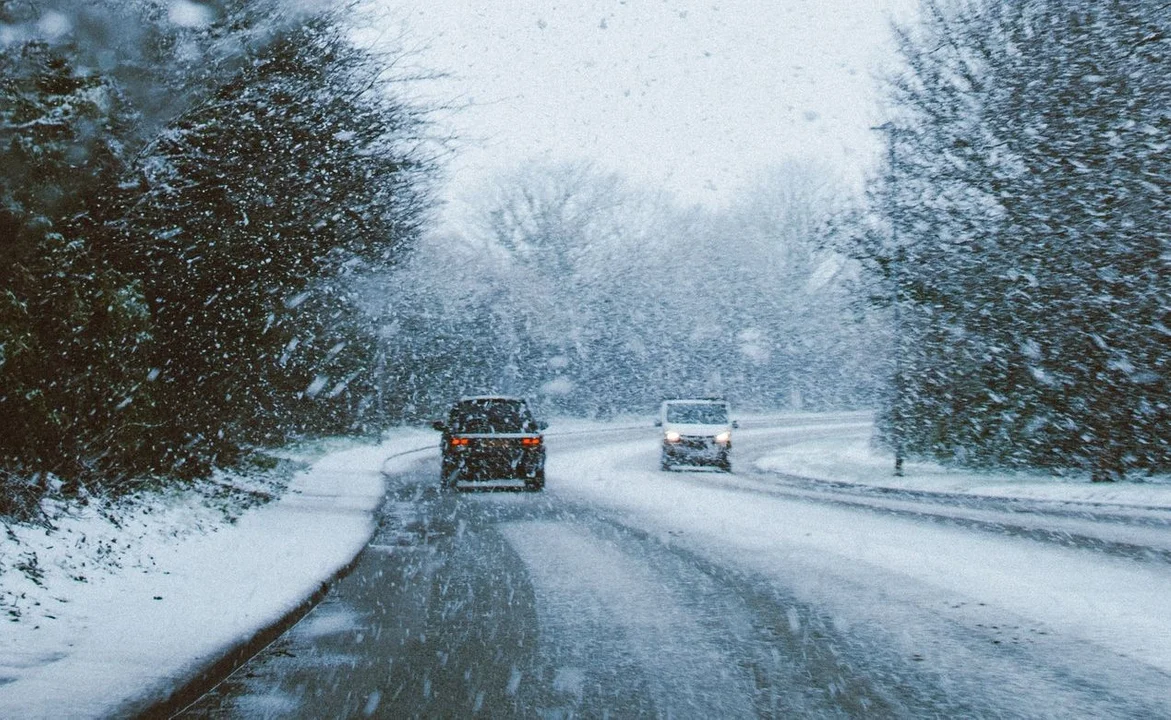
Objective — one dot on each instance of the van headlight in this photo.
(724, 438)
(672, 436)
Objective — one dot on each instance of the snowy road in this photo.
(624, 591)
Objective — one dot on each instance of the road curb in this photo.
(387, 473)
(219, 670)
(211, 674)
(208, 675)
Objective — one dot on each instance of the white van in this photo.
(696, 431)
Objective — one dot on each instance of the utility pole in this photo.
(897, 414)
(380, 384)
(895, 273)
(386, 332)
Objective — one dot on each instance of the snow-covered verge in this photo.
(852, 458)
(120, 603)
(1014, 617)
(130, 602)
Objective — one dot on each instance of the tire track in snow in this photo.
(585, 587)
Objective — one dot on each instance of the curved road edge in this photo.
(362, 499)
(218, 670)
(209, 672)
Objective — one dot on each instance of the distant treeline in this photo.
(595, 297)
(188, 193)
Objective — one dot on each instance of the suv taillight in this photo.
(530, 441)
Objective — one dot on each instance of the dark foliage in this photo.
(1024, 236)
(180, 243)
(258, 210)
(70, 325)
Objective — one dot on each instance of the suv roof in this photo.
(490, 414)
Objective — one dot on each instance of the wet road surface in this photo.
(531, 605)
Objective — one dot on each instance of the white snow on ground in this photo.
(852, 458)
(1086, 599)
(170, 590)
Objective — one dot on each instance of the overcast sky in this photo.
(696, 96)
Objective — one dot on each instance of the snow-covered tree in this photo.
(555, 247)
(1023, 233)
(258, 209)
(70, 323)
(799, 342)
(189, 194)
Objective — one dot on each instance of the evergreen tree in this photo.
(1021, 237)
(259, 210)
(187, 208)
(71, 326)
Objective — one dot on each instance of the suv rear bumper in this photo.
(493, 464)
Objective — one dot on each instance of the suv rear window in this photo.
(697, 413)
(490, 416)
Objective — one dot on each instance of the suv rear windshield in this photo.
(490, 416)
(697, 413)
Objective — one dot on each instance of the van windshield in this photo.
(697, 413)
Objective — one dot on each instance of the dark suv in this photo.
(492, 438)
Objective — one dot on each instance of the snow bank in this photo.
(851, 458)
(896, 573)
(181, 591)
